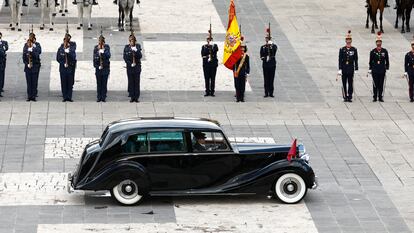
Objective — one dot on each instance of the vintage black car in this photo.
(142, 157)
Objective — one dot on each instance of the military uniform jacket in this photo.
(409, 63)
(206, 50)
(35, 56)
(378, 60)
(105, 57)
(268, 52)
(348, 60)
(245, 69)
(129, 54)
(4, 46)
(61, 56)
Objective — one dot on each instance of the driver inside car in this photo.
(200, 142)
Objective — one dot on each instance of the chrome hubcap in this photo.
(128, 189)
(290, 187)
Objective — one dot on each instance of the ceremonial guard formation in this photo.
(210, 63)
(31, 60)
(241, 71)
(4, 46)
(101, 56)
(378, 65)
(66, 57)
(348, 65)
(132, 58)
(409, 71)
(268, 56)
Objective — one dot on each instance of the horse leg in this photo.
(66, 6)
(19, 17)
(407, 18)
(42, 15)
(61, 8)
(367, 22)
(89, 15)
(80, 14)
(130, 17)
(380, 18)
(52, 15)
(402, 23)
(13, 12)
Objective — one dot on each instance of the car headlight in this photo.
(302, 153)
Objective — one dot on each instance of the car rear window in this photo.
(167, 142)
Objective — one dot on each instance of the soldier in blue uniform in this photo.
(132, 58)
(268, 56)
(210, 63)
(241, 70)
(378, 65)
(409, 71)
(101, 56)
(66, 56)
(4, 46)
(38, 48)
(348, 65)
(31, 60)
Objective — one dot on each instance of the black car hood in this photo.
(250, 148)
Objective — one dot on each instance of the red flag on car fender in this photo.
(292, 151)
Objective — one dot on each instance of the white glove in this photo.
(30, 49)
(356, 72)
(369, 71)
(405, 74)
(67, 50)
(270, 42)
(339, 72)
(101, 50)
(134, 49)
(34, 45)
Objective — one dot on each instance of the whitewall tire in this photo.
(290, 188)
(126, 192)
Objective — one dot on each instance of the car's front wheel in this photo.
(127, 192)
(290, 188)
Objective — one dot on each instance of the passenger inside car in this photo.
(200, 141)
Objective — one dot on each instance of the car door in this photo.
(167, 162)
(211, 166)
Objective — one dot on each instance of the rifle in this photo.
(210, 38)
(66, 45)
(134, 63)
(101, 42)
(30, 45)
(269, 48)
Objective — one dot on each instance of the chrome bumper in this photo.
(315, 183)
(69, 183)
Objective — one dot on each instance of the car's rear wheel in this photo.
(290, 188)
(127, 192)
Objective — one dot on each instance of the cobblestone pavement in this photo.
(362, 152)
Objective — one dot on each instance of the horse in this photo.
(125, 9)
(373, 7)
(84, 6)
(63, 7)
(47, 5)
(404, 8)
(16, 11)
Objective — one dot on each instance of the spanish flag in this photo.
(232, 51)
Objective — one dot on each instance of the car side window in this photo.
(165, 142)
(208, 141)
(136, 143)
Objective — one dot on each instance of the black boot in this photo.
(74, 2)
(6, 4)
(115, 1)
(94, 2)
(56, 3)
(36, 4)
(24, 3)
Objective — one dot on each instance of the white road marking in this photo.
(18, 189)
(223, 216)
(164, 69)
(50, 41)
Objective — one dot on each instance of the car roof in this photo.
(163, 123)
